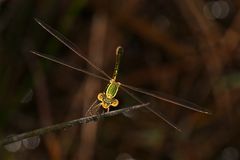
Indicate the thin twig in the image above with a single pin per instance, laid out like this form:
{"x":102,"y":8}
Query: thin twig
{"x":65,"y":125}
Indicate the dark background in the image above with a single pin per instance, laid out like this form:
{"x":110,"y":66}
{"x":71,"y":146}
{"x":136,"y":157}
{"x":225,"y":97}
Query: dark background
{"x":188,"y":48}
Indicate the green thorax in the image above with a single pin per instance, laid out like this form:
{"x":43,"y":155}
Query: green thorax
{"x":112,"y":89}
{"x":113,"y":86}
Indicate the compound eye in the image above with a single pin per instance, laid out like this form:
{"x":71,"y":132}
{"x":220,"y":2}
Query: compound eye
{"x":114,"y":103}
{"x":105,"y":105}
{"x":100,"y":96}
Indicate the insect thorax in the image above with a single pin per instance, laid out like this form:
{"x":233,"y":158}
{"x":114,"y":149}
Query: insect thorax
{"x":112,"y":89}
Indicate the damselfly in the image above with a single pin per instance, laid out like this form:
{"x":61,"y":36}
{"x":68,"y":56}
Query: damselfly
{"x":107,"y":98}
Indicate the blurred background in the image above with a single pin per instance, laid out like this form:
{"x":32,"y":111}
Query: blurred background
{"x":188,"y":49}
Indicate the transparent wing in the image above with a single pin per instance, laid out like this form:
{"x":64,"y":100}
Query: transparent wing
{"x":161,"y":116}
{"x":94,"y":109}
{"x":170,"y":99}
{"x":70,"y":45}
{"x":67,"y":65}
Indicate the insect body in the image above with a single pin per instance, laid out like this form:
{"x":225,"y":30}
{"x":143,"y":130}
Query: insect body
{"x":107,"y":98}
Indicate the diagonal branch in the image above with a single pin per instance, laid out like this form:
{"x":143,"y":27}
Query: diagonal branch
{"x":68,"y":124}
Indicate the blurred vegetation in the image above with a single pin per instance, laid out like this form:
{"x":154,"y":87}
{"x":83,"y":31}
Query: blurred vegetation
{"x":189,"y":49}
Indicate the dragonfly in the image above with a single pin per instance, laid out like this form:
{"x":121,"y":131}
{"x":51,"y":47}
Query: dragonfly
{"x":106,"y":99}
